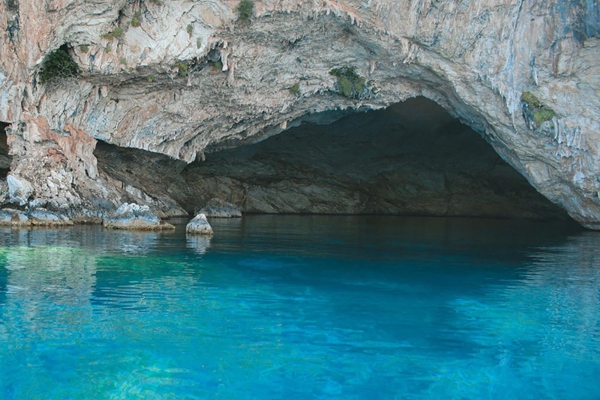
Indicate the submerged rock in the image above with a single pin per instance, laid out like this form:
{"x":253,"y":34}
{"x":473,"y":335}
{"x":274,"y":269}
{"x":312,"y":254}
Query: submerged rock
{"x":217,"y":208}
{"x":135,"y":217}
{"x":199,"y":226}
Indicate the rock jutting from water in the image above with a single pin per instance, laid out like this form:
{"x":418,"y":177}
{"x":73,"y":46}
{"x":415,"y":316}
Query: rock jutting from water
{"x":199,"y":226}
{"x":135,"y":217}
{"x":37,"y":217}
{"x":183,"y":80}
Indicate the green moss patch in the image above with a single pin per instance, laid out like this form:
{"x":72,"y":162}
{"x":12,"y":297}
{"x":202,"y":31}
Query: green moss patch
{"x":245,"y":9}
{"x":295,"y":89}
{"x":183,"y":68}
{"x":542,"y":115}
{"x":537,"y":110}
{"x":218,"y":65}
{"x":530,"y":99}
{"x":136,"y":20}
{"x":114,"y":34}
{"x":349,"y":83}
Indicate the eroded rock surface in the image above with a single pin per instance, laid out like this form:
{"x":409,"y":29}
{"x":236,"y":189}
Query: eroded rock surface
{"x":37,"y":217}
{"x":188,"y":79}
{"x":135,"y":217}
{"x":410,"y":159}
{"x":199,"y":226}
{"x":217,"y":208}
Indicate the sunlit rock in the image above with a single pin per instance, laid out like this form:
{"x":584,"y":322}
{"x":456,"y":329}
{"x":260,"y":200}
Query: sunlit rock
{"x":135,"y":217}
{"x":37,"y":217}
{"x":199,"y":226}
{"x":41,"y":217}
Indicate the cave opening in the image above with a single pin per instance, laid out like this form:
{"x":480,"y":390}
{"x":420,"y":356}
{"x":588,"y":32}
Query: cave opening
{"x":5,"y":158}
{"x":411,"y":158}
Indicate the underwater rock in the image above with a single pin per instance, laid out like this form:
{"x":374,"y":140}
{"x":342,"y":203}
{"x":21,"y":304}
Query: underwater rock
{"x":199,"y":226}
{"x":217,"y":208}
{"x":135,"y":217}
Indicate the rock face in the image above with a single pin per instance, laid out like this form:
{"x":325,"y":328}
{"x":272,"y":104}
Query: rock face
{"x":217,"y":208}
{"x":5,"y":158}
{"x":199,"y":226}
{"x":410,"y":159}
{"x":38,"y":217}
{"x":135,"y":217}
{"x":183,"y":79}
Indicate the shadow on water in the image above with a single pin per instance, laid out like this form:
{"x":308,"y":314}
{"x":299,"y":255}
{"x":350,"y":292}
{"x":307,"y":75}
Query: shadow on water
{"x":296,"y":247}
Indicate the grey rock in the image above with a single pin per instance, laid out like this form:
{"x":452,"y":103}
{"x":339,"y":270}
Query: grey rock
{"x":199,"y":226}
{"x":38,"y":217}
{"x":42,"y":217}
{"x":10,"y":217}
{"x":3,"y":191}
{"x":217,"y":208}
{"x":19,"y":190}
{"x":135,"y":217}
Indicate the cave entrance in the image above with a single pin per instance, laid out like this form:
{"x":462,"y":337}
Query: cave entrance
{"x":412,"y":158}
{"x":5,"y":158}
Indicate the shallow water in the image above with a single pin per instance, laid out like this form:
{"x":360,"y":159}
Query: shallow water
{"x":301,"y":307}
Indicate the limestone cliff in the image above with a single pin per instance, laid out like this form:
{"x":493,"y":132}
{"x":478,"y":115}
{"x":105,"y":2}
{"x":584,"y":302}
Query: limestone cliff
{"x":186,"y":78}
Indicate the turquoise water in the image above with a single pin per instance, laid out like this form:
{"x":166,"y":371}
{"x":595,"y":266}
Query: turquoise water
{"x":289,"y":307}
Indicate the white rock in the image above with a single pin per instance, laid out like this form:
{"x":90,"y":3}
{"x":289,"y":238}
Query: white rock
{"x":42,"y":217}
{"x":135,"y":217}
{"x":19,"y":190}
{"x":199,"y":226}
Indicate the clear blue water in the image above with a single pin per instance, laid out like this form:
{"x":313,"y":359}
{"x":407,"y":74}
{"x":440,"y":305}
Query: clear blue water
{"x":289,"y":307}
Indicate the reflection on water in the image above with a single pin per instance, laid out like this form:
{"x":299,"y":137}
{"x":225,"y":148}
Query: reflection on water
{"x":303,"y":307}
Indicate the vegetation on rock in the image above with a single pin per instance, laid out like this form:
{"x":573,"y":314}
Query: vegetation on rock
{"x":84,"y":48}
{"x":245,"y":9}
{"x":349,"y":83}
{"x":536,"y":110}
{"x":295,"y":90}
{"x":182,"y":68}
{"x":135,"y":21}
{"x":114,"y":34}
{"x":542,"y":115}
{"x":530,"y":99}
{"x":58,"y":64}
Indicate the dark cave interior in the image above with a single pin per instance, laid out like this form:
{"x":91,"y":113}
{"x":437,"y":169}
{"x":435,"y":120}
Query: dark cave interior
{"x":5,"y":159}
{"x":412,"y":158}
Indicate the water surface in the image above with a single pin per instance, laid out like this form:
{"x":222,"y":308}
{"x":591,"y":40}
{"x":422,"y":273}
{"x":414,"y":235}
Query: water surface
{"x":301,"y":307}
